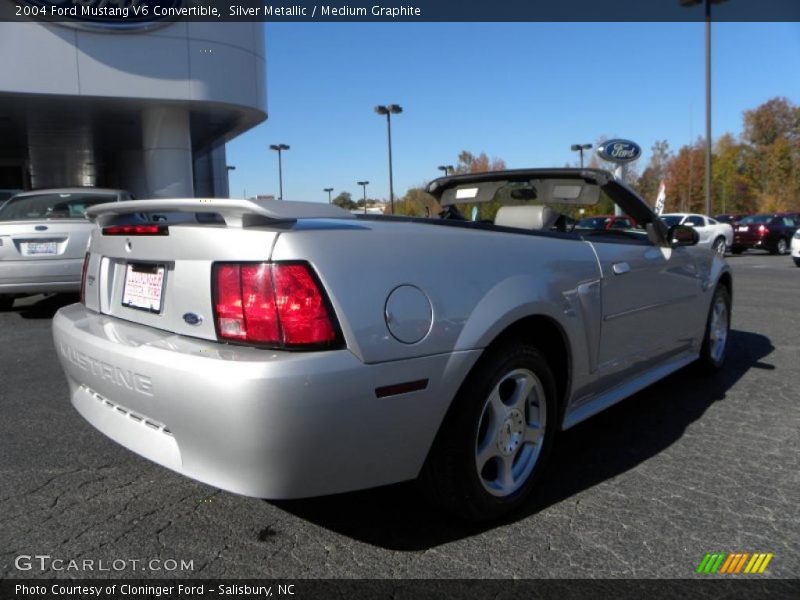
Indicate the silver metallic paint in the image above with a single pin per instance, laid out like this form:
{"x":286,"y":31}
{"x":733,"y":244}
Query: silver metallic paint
{"x":254,"y":421}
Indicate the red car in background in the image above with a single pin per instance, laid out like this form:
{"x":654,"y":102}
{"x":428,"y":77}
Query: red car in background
{"x":772,"y":232}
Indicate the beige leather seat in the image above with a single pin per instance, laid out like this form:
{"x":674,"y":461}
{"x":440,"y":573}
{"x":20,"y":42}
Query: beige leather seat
{"x":526,"y":217}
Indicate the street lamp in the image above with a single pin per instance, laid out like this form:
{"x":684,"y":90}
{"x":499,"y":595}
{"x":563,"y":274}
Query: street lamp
{"x":279,"y":148}
{"x":389,"y":110}
{"x":364,"y":185}
{"x":329,"y":190}
{"x":228,"y":169}
{"x":708,"y":3}
{"x":580,"y":148}
{"x":446,"y":168}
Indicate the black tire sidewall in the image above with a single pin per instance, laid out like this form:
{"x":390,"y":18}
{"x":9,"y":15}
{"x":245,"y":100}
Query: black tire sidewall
{"x":706,"y":360}
{"x":480,"y":504}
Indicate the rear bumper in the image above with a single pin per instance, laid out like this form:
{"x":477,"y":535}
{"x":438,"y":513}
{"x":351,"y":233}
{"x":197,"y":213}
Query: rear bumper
{"x":256,"y":422}
{"x":37,"y":276}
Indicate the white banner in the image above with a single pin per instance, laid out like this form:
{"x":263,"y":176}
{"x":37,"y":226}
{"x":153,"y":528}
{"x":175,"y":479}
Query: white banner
{"x":661,"y":198}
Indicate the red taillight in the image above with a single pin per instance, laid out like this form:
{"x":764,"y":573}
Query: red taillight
{"x":763,"y":229}
{"x":136,"y":230}
{"x":83,"y":277}
{"x":277,"y":304}
{"x":302,"y":311}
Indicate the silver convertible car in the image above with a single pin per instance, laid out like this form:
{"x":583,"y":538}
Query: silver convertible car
{"x":287,"y":349}
{"x":43,"y":236}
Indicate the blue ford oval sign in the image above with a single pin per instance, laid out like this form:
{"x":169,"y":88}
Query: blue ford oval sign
{"x":619,"y":151}
{"x":102,"y":14}
{"x":192,"y":318}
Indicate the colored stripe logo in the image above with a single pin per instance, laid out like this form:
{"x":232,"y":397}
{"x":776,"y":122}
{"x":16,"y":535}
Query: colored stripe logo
{"x":734,"y":563}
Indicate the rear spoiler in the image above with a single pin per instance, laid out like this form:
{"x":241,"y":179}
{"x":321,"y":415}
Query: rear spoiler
{"x":236,"y":213}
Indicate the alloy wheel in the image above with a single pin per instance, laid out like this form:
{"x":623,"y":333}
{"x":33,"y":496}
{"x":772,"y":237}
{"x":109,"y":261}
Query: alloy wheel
{"x":511,"y":432}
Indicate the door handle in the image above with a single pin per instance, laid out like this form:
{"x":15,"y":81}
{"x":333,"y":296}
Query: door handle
{"x":621,"y":268}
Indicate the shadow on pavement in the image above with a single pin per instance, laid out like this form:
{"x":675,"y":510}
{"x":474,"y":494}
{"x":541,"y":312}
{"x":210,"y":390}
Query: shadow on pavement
{"x":398,"y":518}
{"x":46,"y":307}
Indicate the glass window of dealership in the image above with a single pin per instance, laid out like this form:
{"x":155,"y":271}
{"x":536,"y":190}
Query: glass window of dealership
{"x":148,"y":109}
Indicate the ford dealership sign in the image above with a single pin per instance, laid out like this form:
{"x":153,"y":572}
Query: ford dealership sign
{"x":619,"y":151}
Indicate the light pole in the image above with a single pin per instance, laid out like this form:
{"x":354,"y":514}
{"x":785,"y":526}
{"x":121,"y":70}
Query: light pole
{"x":364,"y":185}
{"x":389,"y":110}
{"x":279,"y":148}
{"x":708,"y":3}
{"x":446,"y":168}
{"x":228,"y":169}
{"x":580,"y":148}
{"x":329,"y":190}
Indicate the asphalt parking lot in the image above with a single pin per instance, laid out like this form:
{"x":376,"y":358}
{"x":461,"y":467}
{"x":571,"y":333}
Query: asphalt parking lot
{"x":688,"y":466}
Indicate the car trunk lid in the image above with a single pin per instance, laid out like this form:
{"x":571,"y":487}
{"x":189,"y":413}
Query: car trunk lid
{"x":161,"y":274}
{"x":44,"y":240}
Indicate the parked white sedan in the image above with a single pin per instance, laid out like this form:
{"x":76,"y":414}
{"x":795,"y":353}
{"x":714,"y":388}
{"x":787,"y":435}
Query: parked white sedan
{"x":714,"y":234}
{"x":796,"y":247}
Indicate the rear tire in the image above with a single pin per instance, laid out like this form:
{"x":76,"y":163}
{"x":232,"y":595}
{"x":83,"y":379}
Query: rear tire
{"x":6,"y":302}
{"x":717,"y":333}
{"x":781,"y":247}
{"x":737,"y":249}
{"x":719,"y":246}
{"x":495,"y":440}
{"x":796,"y":261}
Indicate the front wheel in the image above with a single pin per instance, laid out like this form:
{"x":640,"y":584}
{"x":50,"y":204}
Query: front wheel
{"x":718,"y":326}
{"x":496,"y":438}
{"x":719,"y":246}
{"x":796,"y":261}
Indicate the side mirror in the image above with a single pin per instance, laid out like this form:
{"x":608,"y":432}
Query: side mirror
{"x":682,"y":235}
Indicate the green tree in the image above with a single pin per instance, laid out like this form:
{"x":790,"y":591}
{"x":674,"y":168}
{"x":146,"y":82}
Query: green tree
{"x":730,"y":182}
{"x":345,"y":201}
{"x":772,"y":135}
{"x":417,"y":203}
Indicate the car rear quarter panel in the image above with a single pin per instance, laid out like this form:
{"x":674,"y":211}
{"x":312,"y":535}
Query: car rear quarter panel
{"x":478,"y":283}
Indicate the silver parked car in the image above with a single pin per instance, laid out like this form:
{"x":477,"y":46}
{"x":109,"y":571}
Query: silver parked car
{"x":287,"y":349}
{"x":43,"y":237}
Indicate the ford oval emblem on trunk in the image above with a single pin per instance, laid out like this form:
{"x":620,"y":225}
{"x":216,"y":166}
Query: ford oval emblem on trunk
{"x":41,"y":228}
{"x":619,"y":151}
{"x":192,"y":318}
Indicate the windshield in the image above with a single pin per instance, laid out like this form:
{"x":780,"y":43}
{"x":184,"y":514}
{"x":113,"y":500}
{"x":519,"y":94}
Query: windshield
{"x":670,"y":220}
{"x":51,"y":206}
{"x":756,"y":219}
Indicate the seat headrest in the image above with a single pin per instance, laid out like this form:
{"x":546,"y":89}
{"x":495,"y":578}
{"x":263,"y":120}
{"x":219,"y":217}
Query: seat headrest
{"x":526,"y":217}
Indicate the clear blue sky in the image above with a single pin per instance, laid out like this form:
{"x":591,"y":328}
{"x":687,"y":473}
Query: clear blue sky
{"x":523,"y":92}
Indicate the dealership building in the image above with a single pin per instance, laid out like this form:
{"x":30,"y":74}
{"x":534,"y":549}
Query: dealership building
{"x":147,"y":108}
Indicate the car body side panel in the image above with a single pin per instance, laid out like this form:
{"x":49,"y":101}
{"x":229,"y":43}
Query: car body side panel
{"x":478,"y":283}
